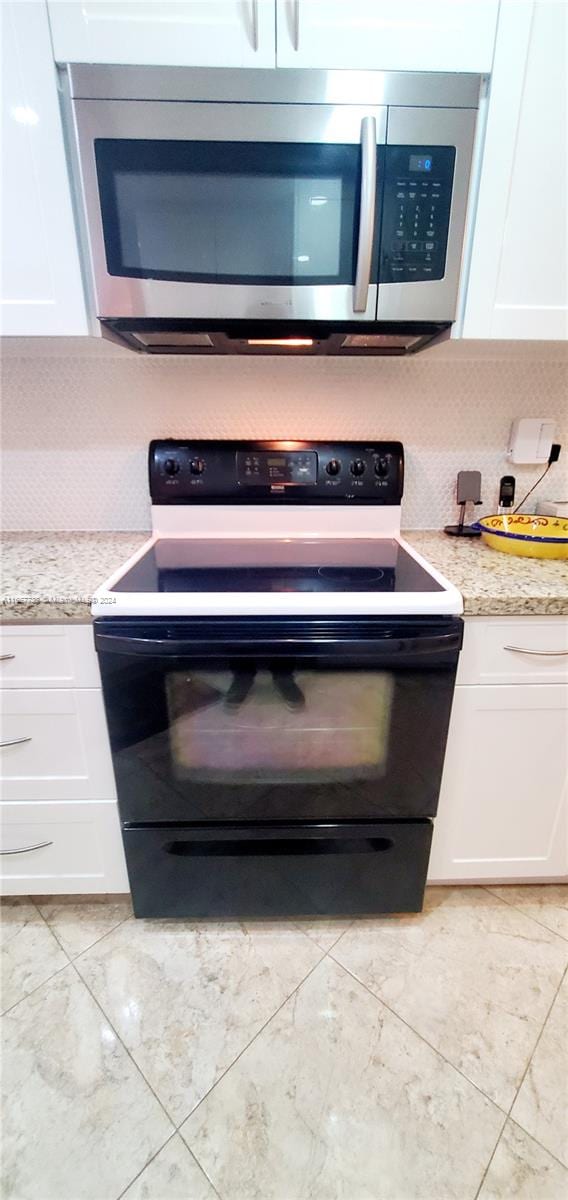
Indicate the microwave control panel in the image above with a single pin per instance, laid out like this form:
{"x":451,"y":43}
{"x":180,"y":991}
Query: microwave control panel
{"x":417,"y":199}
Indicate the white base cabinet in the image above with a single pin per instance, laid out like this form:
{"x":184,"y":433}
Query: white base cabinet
{"x":61,"y":849}
{"x":59,"y":824}
{"x":503,"y":803}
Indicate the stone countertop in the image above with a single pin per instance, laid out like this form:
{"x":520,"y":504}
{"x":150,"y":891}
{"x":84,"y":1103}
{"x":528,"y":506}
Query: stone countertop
{"x":51,"y":576}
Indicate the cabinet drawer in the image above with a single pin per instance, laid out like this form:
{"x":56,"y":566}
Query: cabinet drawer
{"x":61,"y":849}
{"x":48,"y":656}
{"x":177,"y":871}
{"x":54,"y":746}
{"x":514,"y":650}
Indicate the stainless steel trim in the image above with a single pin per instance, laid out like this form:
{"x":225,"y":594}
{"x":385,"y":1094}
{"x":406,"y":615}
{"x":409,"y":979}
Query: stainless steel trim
{"x":366,"y":213}
{"x":296,"y":42}
{"x":433,"y":300}
{"x":5,"y":657}
{"x":117,"y":296}
{"x":255,"y":25}
{"x":14,"y":742}
{"x":540,"y":653}
{"x":26,"y":849}
{"x":266,"y":86}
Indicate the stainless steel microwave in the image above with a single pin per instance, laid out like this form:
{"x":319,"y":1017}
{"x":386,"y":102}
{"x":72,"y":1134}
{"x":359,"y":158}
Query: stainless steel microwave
{"x":230,"y":209}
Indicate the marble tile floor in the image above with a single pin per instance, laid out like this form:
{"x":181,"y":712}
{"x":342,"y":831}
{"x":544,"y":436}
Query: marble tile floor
{"x":418,"y":1057}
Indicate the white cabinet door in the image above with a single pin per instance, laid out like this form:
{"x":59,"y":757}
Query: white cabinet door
{"x":48,"y":656}
{"x":518,"y":283}
{"x":54,"y":745}
{"x":188,"y":33}
{"x":41,"y":290}
{"x":386,"y":35}
{"x":59,"y":849}
{"x":502,"y":811}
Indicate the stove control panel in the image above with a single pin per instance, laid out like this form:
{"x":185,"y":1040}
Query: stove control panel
{"x":280,"y":472}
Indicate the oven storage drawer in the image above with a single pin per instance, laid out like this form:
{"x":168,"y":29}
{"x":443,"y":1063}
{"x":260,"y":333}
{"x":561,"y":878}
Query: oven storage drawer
{"x":185,"y":871}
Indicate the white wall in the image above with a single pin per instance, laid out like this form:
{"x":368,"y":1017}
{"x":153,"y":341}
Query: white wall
{"x":78,"y":417}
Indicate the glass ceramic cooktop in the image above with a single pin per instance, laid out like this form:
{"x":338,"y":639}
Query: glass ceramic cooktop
{"x":284,"y":565}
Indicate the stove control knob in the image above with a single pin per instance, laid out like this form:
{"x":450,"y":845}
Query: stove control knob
{"x":333,"y":466}
{"x":171,"y":466}
{"x":357,"y":467}
{"x":381,"y":467}
{"x":197,"y":466}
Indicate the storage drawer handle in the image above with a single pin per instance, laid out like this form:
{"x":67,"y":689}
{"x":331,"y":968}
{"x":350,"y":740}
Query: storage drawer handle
{"x":185,"y":849}
{"x":540,"y":653}
{"x":26,"y":849}
{"x":14,"y":742}
{"x":6,"y":657}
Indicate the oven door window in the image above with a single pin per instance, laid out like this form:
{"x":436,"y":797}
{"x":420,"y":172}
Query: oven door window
{"x":279,"y":725}
{"x":229,"y":212}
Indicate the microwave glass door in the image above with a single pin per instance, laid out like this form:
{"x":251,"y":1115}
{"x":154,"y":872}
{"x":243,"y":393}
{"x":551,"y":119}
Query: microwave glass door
{"x":233,"y":211}
{"x":230,"y":212}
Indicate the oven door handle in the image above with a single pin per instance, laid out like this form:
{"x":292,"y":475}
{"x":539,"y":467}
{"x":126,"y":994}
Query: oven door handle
{"x":270,"y":833}
{"x":385,"y":647}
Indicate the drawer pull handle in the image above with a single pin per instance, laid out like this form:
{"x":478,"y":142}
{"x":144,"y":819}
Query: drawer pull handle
{"x":6,"y":657}
{"x":26,"y":849}
{"x":541,"y":653}
{"x":14,"y":742}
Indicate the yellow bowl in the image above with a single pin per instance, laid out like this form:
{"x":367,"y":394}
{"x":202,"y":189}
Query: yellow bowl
{"x":531,"y":536}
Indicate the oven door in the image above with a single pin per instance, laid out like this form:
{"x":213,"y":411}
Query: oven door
{"x":232,"y":211}
{"x":263,"y":720}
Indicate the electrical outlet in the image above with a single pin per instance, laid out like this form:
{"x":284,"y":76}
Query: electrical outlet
{"x":531,"y":440}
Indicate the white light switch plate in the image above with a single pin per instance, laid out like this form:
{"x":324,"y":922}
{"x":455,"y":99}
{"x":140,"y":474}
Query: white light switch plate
{"x":531,"y":440}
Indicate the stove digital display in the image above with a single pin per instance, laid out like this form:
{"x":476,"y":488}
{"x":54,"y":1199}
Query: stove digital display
{"x":264,"y":468}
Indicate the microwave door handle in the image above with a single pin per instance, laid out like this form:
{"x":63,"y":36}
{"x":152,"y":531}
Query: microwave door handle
{"x":255,"y":25}
{"x":366,"y":213}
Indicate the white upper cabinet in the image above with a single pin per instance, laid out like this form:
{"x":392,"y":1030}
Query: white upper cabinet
{"x":387,"y":35}
{"x":186,"y":33}
{"x":41,"y":291}
{"x":518,"y":284}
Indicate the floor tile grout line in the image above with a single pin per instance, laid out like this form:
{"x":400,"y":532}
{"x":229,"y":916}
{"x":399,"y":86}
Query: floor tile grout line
{"x":550,"y":1153}
{"x":124,"y":1046}
{"x":73,"y":957}
{"x":527,"y":1069}
{"x":173,"y":1134}
{"x":43,"y":983}
{"x":517,"y":908}
{"x":494,"y":1151}
{"x":248,"y":1045}
{"x":419,"y":1035}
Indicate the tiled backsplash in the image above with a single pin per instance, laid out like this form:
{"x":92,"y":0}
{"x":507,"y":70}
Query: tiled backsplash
{"x":77,"y":421}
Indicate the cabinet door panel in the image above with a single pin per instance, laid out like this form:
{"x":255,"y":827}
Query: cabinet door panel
{"x":54,"y":745}
{"x":190,"y":33}
{"x":59,"y":849}
{"x":41,"y":289}
{"x":502,"y":810}
{"x":48,"y":656}
{"x":386,"y":35}
{"x":518,"y":283}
